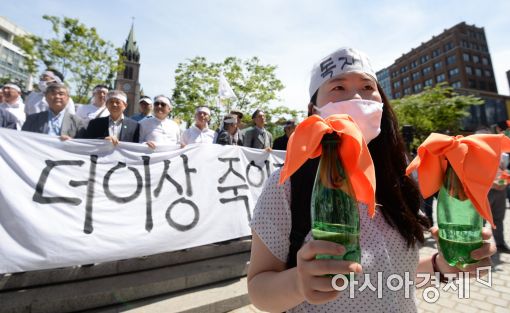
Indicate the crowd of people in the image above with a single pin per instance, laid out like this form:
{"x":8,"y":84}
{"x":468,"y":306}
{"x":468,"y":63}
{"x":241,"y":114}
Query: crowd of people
{"x":52,"y":111}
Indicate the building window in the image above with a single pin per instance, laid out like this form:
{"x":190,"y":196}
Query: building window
{"x":394,"y":74}
{"x":424,"y":58}
{"x":478,"y":72}
{"x":427,"y":70}
{"x":450,"y":60}
{"x":397,"y":95}
{"x":472,"y":83}
{"x":417,"y":87}
{"x":469,"y":70}
{"x":485,"y":61}
{"x":488,"y":73}
{"x":438,"y":65}
{"x":436,"y":52}
{"x":440,"y":78}
{"x":456,"y":84}
{"x":414,"y":64}
{"x":465,"y":57}
{"x":416,"y":75}
{"x":448,"y":46}
{"x":429,"y":82}
{"x":396,"y":85}
{"x":453,"y":72}
{"x":476,"y":59}
{"x":403,"y":69}
{"x":407,"y":91}
{"x":405,"y":80}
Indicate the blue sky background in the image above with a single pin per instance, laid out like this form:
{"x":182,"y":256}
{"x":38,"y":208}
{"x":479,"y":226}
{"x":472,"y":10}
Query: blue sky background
{"x":290,"y":34}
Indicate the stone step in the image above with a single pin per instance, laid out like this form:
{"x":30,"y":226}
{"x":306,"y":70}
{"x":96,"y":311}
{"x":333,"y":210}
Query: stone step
{"x":219,"y":297}
{"x":60,"y":275}
{"x":124,"y":288}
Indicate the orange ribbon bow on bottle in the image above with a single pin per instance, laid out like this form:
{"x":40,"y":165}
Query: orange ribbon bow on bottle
{"x":475,"y":160}
{"x":305,"y":143}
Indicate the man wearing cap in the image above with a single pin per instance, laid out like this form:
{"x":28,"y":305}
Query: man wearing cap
{"x":199,"y":132}
{"x":280,"y":143}
{"x":160,"y":129}
{"x":36,"y":101}
{"x":57,"y":120}
{"x":97,"y":107}
{"x":13,"y":103}
{"x":145,"y":106}
{"x":115,"y":127}
{"x":257,"y":136}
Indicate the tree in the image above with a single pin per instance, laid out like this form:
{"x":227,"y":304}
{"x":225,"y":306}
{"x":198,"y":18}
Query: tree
{"x":75,"y":50}
{"x":437,"y":109}
{"x":255,"y":84}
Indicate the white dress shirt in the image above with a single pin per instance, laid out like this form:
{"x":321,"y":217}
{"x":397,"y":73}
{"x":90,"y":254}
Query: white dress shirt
{"x":89,"y":112}
{"x":163,"y":131}
{"x":195,"y":135}
{"x":114,"y":127}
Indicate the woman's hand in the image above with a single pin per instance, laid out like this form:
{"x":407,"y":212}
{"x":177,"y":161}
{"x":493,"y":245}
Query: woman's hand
{"x":311,"y":283}
{"x":481,"y":254}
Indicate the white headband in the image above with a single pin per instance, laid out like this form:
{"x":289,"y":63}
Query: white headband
{"x":116,"y":96}
{"x":13,"y":86}
{"x":343,"y":60}
{"x":52,"y":75}
{"x":204,"y":109}
{"x":100,"y":88}
{"x":163,"y":99}
{"x":230,"y":120}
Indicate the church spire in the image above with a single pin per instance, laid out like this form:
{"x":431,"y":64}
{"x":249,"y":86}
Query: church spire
{"x":130,"y":50}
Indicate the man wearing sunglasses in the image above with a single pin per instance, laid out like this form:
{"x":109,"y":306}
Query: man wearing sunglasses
{"x":160,"y":129}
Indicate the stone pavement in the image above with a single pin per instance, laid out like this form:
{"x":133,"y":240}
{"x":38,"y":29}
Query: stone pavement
{"x":495,"y":299}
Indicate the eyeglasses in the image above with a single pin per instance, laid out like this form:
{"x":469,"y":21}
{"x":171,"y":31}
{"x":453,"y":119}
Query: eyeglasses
{"x":158,"y":103}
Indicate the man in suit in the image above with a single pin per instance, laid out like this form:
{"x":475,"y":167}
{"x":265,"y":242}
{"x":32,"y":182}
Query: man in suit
{"x":115,"y":127}
{"x":280,"y":143}
{"x":257,"y":136}
{"x":55,"y":121}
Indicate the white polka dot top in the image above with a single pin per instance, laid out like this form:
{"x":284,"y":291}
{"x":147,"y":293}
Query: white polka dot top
{"x":385,"y":257}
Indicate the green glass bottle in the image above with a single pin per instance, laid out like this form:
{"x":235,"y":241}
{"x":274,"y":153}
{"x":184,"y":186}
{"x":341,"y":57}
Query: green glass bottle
{"x":335,"y":215}
{"x":460,"y":225}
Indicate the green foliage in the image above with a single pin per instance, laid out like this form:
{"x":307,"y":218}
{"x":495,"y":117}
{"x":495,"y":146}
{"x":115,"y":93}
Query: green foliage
{"x":255,"y":84}
{"x":437,"y":109}
{"x":76,"y":50}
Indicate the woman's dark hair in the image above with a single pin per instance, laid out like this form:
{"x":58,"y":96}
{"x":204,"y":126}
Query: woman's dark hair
{"x":397,"y":193}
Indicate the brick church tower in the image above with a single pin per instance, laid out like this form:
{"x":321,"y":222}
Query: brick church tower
{"x":128,"y":79}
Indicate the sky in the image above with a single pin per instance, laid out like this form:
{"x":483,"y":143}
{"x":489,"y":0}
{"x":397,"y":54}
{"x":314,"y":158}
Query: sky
{"x":293,"y":35}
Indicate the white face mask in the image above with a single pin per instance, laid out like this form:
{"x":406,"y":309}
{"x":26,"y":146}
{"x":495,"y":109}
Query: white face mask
{"x":366,"y":113}
{"x":43,"y":85}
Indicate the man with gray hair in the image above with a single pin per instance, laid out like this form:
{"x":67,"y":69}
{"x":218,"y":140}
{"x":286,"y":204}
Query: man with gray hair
{"x":199,"y":132}
{"x":56,"y":121}
{"x":36,"y":101}
{"x":115,"y":127}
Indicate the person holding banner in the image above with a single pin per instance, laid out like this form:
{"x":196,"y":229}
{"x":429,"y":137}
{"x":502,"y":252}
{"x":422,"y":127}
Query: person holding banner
{"x":199,"y":132}
{"x":257,"y":136}
{"x":284,"y":274}
{"x":57,"y":120}
{"x":36,"y":101}
{"x":160,"y":129}
{"x":116,"y":127}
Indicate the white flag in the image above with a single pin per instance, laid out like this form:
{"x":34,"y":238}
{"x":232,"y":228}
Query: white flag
{"x":224,"y":89}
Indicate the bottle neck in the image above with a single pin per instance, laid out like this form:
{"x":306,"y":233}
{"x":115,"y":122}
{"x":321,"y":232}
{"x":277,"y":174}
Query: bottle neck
{"x":453,"y":184}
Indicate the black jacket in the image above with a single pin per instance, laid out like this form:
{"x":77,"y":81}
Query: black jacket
{"x":98,"y":129}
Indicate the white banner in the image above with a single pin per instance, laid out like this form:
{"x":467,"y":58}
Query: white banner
{"x":84,"y":201}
